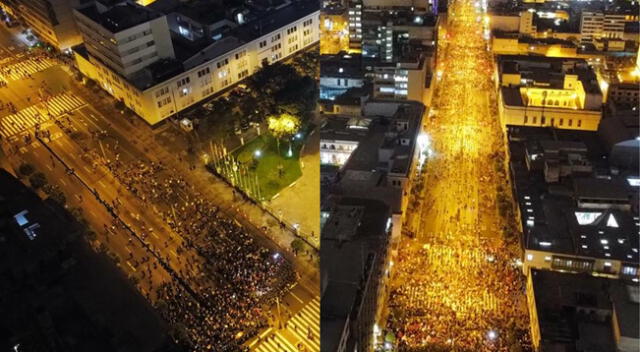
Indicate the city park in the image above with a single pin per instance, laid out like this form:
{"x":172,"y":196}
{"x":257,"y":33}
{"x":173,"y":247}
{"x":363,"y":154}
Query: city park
{"x":278,"y":102}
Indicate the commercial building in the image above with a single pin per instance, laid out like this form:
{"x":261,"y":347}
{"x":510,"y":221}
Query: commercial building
{"x":577,"y":201}
{"x":548,"y":92}
{"x":166,"y":58}
{"x":407,"y":78}
{"x":51,"y":20}
{"x":572,"y":312}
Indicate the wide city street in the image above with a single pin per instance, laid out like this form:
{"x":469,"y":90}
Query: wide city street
{"x":457,"y":284}
{"x":222,"y":279}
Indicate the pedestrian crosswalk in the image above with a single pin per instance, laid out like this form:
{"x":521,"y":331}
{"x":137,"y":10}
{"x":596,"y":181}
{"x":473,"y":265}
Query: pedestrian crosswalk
{"x":305,"y":326}
{"x":301,"y":333}
{"x":273,"y":341}
{"x":22,"y":120}
{"x":27,"y":118}
{"x":62,"y":103}
{"x":24,"y":68}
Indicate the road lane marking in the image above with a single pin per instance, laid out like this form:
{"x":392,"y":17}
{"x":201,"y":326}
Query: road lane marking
{"x":102,"y":184}
{"x":49,"y":167}
{"x":87,"y":168}
{"x":131,"y":266}
{"x":174,"y":253}
{"x":296,"y":297}
{"x":154,"y":235}
{"x":63,"y":183}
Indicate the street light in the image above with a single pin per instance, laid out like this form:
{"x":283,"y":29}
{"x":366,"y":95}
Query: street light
{"x":257,"y":153}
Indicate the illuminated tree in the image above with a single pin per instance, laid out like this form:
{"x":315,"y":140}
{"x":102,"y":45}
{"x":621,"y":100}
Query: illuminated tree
{"x":283,"y":126}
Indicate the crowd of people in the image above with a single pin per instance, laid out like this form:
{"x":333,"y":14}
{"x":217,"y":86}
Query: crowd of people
{"x":452,"y":296}
{"x":457,"y":285}
{"x":241,"y":277}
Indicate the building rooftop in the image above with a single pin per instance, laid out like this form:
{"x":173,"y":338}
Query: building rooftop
{"x":121,"y":16}
{"x":191,"y":55}
{"x":342,"y":66}
{"x":571,"y":200}
{"x":574,"y":312}
{"x":353,"y":236}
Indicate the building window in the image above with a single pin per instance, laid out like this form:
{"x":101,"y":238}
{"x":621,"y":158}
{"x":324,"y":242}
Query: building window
{"x":561,"y":122}
{"x":579,"y":123}
{"x":243,"y":74}
{"x":307,"y":22}
{"x":570,"y":122}
{"x":263,"y":44}
{"x":542,"y":120}
{"x":275,"y":37}
{"x":203,"y":72}
{"x":534,"y":120}
{"x":525,"y":119}
{"x":183,"y":82}
{"x":222,"y":63}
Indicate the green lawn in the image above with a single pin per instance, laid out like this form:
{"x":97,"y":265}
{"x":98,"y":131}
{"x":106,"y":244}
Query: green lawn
{"x":270,"y":179}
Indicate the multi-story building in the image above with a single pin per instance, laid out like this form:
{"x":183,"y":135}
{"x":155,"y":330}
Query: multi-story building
{"x":126,"y":37}
{"x":339,"y":73}
{"x":577,"y":201}
{"x":157,"y":79}
{"x":548,"y":92}
{"x":51,"y":20}
{"x":355,"y":24}
{"x":407,"y":78}
{"x":355,"y":249}
{"x":570,"y":312}
{"x":598,"y":25}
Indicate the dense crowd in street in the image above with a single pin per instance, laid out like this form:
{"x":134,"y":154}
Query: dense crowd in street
{"x":241,"y":277}
{"x":463,"y":295}
{"x":457,"y":285}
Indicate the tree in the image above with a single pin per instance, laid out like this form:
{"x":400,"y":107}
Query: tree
{"x":37,"y":180}
{"x":26,"y":169}
{"x":283,"y":126}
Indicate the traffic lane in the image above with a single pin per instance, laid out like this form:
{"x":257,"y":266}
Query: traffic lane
{"x":77,"y":195}
{"x":130,"y":210}
{"x":131,"y":253}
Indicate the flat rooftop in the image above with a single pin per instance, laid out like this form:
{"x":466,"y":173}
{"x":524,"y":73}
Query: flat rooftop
{"x":121,"y":16}
{"x":563,"y":302}
{"x":559,"y":176}
{"x":351,"y":239}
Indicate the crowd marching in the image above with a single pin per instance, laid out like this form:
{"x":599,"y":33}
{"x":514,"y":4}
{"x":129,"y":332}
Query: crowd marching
{"x":457,"y":285}
{"x":238,"y":279}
